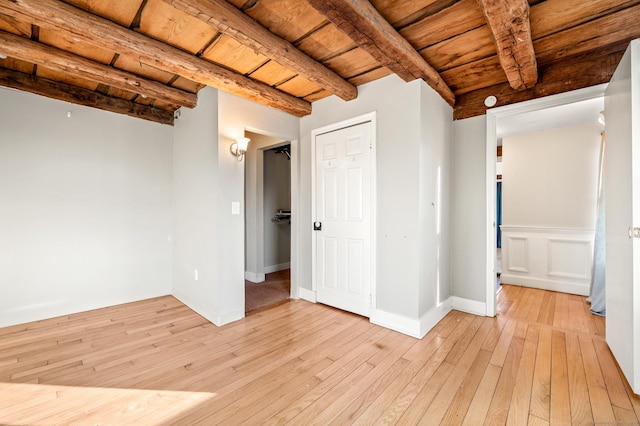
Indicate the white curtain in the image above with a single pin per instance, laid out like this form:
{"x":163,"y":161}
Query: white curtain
{"x":597,"y":287}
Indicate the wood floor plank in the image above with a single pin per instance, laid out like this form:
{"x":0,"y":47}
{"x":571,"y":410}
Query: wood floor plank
{"x":460,"y":405}
{"x":542,"y":360}
{"x":578,"y":391}
{"x":503,"y":344}
{"x":340,"y":402}
{"x":611,"y":377}
{"x":415,"y":387}
{"x":502,"y":398}
{"x":448,"y":391}
{"x":560,"y":411}
{"x":418,"y":356}
{"x":541,"y":385}
{"x":601,"y":406}
{"x":419,"y":404}
{"x":479,"y":407}
{"x":298,"y":398}
{"x":535,"y":305}
{"x":521,"y":400}
{"x":579,"y":321}
{"x":546,"y":309}
{"x":561,"y":316}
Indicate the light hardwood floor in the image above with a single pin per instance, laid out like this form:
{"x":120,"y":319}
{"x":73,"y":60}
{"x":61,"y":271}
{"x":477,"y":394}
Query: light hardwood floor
{"x":542,"y":360}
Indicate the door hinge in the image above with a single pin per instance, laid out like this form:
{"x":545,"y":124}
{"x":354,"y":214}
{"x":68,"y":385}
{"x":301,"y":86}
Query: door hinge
{"x":634,"y":232}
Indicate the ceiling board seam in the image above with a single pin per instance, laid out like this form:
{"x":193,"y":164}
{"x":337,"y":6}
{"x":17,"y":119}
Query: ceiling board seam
{"x":256,"y":68}
{"x":299,"y":40}
{"x":365,"y":72}
{"x":214,"y":40}
{"x":423,"y":13}
{"x":340,"y":53}
{"x":35,"y":33}
{"x":135,"y":22}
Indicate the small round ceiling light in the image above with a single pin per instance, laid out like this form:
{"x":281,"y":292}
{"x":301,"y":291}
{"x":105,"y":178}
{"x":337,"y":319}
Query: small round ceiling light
{"x":490,"y":101}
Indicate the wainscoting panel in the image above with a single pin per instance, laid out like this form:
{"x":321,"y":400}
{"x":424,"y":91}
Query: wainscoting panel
{"x":518,"y":257}
{"x":557,"y":259}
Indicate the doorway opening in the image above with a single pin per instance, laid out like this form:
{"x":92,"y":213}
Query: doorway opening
{"x":533,"y":115}
{"x":268,"y":218}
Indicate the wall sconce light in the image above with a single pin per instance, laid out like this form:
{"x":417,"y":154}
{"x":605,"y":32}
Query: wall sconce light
{"x":239,"y":148}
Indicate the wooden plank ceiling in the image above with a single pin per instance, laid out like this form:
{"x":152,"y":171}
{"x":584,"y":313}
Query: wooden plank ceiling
{"x":147,"y":58}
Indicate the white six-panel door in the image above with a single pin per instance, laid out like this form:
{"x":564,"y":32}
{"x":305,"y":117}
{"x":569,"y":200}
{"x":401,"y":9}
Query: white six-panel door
{"x":343,"y":214}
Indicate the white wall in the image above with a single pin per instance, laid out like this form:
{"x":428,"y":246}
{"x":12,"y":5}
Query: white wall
{"x":434,"y":200}
{"x":85,"y":208}
{"x":550,"y":177}
{"x":277,"y":187}
{"x":413,"y":138}
{"x":196,"y":199}
{"x":208,"y":180}
{"x":549,"y":204}
{"x":468,"y":235}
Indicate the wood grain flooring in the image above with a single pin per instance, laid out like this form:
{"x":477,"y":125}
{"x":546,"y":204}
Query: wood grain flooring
{"x":542,"y":360}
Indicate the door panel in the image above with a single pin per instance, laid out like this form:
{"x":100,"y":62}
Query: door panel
{"x":622,"y":211}
{"x":343,"y":204}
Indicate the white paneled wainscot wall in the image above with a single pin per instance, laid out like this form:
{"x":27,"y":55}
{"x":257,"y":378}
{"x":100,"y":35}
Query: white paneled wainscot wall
{"x":557,"y":259}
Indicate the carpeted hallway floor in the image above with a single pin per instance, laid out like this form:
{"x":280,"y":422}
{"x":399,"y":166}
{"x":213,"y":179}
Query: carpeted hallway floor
{"x":275,"y":289}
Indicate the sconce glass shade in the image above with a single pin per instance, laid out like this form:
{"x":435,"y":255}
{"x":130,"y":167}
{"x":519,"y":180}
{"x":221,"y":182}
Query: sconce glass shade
{"x":239,"y":148}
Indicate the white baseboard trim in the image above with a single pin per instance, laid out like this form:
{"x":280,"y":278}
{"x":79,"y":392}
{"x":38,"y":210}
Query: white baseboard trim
{"x":562,"y":286}
{"x":276,"y":268}
{"x":254,"y":277}
{"x":417,"y":328}
{"x":433,"y":316}
{"x":469,"y":306}
{"x":306,"y":294}
{"x":24,"y":314}
{"x":216,"y":318}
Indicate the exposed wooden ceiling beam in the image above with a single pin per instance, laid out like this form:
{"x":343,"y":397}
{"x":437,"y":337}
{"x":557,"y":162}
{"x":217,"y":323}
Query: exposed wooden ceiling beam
{"x":367,"y":28}
{"x":511,"y":30}
{"x":572,"y":73}
{"x":38,"y":53}
{"x":109,"y":35}
{"x":228,"y":20}
{"x":77,"y":95}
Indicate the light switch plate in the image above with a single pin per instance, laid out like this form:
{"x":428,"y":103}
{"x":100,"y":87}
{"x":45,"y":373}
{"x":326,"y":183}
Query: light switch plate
{"x":235,"y":207}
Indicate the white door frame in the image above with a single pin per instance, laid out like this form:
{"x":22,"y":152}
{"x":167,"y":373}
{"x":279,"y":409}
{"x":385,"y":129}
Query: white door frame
{"x":494,"y":117}
{"x":369,"y":117}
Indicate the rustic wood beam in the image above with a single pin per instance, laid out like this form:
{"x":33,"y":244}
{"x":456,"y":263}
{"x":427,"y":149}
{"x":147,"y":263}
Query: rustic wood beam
{"x":573,"y":73}
{"x":38,"y":53}
{"x":77,"y":95}
{"x":369,"y":30}
{"x":511,"y":30}
{"x":227,"y":19}
{"x":101,"y":32}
